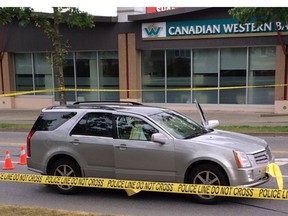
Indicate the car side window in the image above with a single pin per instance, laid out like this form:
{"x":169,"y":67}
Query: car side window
{"x":133,"y":128}
{"x":94,"y":124}
{"x":49,"y":121}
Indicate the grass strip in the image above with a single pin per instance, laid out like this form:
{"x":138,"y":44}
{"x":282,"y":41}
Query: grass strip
{"x":15,"y":126}
{"x":255,"y":129}
{"x":9,"y":210}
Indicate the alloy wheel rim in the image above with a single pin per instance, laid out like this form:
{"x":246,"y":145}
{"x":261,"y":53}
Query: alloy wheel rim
{"x":64,"y":170}
{"x":206,"y":178}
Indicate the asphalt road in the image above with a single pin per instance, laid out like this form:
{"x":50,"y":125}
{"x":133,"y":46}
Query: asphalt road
{"x":116,"y":202}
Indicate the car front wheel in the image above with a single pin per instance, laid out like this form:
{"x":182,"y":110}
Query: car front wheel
{"x":208,"y":174}
{"x":69,"y":168}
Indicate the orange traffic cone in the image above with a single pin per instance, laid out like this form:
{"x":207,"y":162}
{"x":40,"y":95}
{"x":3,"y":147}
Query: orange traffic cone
{"x":23,"y":157}
{"x":8,"y":162}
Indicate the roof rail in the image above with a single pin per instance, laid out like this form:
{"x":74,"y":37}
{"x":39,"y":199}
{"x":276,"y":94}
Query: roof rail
{"x":86,"y":106}
{"x":92,"y":106}
{"x":107,"y":102}
{"x":55,"y":107}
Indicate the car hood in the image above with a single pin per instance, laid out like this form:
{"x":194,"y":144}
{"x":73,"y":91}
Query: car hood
{"x":235,"y":141}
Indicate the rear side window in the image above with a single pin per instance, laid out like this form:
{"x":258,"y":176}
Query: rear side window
{"x":94,"y":124}
{"x":48,"y":121}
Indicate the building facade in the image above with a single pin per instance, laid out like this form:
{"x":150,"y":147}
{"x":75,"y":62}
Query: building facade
{"x":170,"y":57}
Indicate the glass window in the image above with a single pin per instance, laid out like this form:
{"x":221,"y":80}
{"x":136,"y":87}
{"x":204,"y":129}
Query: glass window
{"x":261,"y":72}
{"x":43,"y":72}
{"x":23,"y":71}
{"x":94,"y":70}
{"x":133,"y":128}
{"x":87,"y":76}
{"x":233,"y":66}
{"x":94,"y":124}
{"x":205,"y":75}
{"x":98,"y":71}
{"x":178,"y":125}
{"x":109,"y":75}
{"x":178,"y":76}
{"x":153,"y":76}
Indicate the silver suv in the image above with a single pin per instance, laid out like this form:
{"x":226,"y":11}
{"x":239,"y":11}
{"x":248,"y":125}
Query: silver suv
{"x":126,"y":140}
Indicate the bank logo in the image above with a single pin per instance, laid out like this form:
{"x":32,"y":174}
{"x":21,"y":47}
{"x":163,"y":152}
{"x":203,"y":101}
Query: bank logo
{"x":153,"y":30}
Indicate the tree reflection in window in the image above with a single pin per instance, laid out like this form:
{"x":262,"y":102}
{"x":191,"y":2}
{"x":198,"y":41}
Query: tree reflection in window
{"x":94,"y":124}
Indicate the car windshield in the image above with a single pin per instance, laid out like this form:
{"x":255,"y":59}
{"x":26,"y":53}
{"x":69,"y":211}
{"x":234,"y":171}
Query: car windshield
{"x":178,"y":125}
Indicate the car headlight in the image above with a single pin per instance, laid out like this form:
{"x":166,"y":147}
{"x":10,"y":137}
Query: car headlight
{"x":242,"y":159}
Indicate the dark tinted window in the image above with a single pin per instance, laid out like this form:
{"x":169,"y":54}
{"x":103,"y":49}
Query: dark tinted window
{"x":94,"y":124}
{"x":48,"y":121}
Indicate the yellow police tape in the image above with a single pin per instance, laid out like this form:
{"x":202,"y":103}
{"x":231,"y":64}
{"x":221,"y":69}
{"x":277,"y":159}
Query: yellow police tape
{"x":274,"y":170}
{"x":133,"y":187}
{"x":11,"y":94}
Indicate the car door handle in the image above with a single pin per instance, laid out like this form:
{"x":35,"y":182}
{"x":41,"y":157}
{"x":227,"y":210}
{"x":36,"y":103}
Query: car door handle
{"x":75,"y":142}
{"x":122,"y":147}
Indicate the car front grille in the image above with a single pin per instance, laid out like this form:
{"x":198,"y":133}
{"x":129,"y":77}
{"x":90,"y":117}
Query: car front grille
{"x":263,"y":156}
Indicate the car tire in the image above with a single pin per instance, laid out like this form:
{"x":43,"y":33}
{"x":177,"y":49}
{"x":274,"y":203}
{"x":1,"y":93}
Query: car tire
{"x":208,"y":174}
{"x":66,"y":167}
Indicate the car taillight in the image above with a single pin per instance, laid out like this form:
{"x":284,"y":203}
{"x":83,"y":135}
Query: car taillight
{"x":28,"y":142}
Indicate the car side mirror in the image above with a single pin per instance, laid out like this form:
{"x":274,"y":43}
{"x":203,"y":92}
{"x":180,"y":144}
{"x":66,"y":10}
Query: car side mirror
{"x":159,"y":138}
{"x":212,"y":124}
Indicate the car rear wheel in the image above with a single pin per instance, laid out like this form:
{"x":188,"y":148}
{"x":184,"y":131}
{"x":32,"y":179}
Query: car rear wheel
{"x":69,"y":168}
{"x":208,"y":174}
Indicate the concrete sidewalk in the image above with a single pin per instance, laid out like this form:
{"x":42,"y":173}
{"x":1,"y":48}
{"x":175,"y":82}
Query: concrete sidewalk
{"x":19,"y":116}
{"x":226,"y":117}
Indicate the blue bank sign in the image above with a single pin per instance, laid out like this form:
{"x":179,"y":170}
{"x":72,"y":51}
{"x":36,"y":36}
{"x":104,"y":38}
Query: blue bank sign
{"x":227,"y":27}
